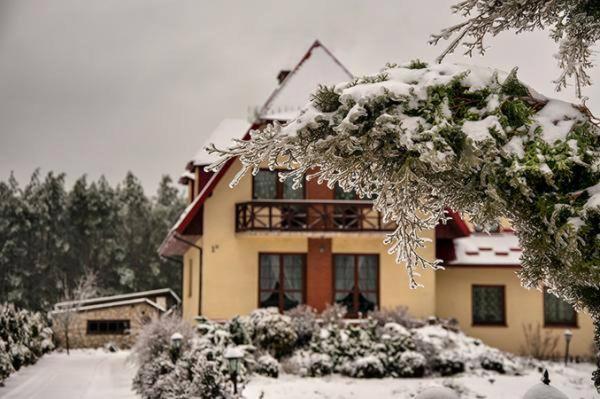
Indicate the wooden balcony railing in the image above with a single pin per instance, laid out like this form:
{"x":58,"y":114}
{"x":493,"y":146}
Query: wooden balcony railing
{"x":308,"y":215}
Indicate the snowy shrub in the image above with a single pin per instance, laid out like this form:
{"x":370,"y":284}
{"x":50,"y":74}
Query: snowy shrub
{"x":6,"y":367}
{"x":272,"y":332}
{"x":364,"y":367}
{"x":411,"y":364}
{"x":492,"y":363}
{"x":155,"y":338}
{"x":308,"y":364}
{"x":541,"y":345}
{"x":268,"y":366}
{"x":239,"y":331}
{"x":198,"y":369}
{"x":398,"y":315}
{"x":447,"y":364}
{"x":334,"y":314}
{"x":304,"y":322}
{"x":396,"y":338}
{"x":24,"y":337}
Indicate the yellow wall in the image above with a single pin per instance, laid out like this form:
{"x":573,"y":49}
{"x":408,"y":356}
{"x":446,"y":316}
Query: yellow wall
{"x":523,"y":306}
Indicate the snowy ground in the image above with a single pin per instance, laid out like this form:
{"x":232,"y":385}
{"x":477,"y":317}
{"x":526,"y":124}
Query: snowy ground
{"x":85,"y":374}
{"x":574,"y":381}
{"x":95,"y":374}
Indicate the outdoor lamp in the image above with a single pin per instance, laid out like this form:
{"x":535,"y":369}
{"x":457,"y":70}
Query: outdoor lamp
{"x":568,"y":336}
{"x":233,"y":357}
{"x":176,"y":340}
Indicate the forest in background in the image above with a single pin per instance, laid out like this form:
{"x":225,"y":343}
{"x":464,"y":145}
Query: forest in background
{"x":51,"y":236}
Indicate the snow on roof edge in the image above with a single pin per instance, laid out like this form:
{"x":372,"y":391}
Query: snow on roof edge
{"x":123,"y":296}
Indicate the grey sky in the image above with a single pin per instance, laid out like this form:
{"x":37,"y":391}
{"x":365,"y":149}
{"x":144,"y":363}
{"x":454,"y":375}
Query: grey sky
{"x":114,"y":85}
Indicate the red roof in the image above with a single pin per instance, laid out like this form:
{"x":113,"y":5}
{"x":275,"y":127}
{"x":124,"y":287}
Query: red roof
{"x":194,"y":208}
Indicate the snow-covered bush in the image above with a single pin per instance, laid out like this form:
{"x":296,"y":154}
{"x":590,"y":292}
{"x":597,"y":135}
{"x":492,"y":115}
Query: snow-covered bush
{"x":24,"y":337}
{"x":272,"y":331}
{"x":308,"y":364}
{"x":398,"y":315}
{"x":155,"y":338}
{"x":268,"y":366}
{"x":304,"y":321}
{"x":239,"y":331}
{"x":6,"y":367}
{"x":364,"y":367}
{"x":411,"y":364}
{"x":196,"y":369}
{"x":448,"y":363}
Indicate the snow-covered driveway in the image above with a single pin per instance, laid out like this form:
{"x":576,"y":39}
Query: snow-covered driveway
{"x":85,"y":374}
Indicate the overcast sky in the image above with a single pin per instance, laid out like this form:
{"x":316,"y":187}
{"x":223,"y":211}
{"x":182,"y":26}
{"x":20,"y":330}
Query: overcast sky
{"x":107,"y":86}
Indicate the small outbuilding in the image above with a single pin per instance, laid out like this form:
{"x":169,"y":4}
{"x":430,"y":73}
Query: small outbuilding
{"x":115,"y":319}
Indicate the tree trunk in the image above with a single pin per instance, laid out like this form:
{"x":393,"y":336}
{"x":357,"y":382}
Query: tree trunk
{"x":67,"y":339}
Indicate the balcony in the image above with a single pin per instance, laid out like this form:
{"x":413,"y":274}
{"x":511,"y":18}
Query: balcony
{"x":309,"y":215}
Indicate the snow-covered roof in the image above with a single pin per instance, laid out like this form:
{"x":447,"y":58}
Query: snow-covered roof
{"x":487,"y":249}
{"x":318,"y":66}
{"x":112,"y":299}
{"x":221,"y":137}
{"x":112,"y":305}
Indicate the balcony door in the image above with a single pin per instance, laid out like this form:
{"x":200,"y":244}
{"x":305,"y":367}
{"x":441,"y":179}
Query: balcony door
{"x":267,"y":186}
{"x":356,"y":283}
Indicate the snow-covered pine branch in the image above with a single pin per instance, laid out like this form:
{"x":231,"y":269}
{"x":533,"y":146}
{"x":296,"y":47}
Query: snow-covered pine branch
{"x":574,"y":24}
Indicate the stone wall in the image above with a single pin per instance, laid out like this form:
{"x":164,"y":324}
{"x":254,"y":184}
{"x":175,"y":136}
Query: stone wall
{"x":138,"y":314}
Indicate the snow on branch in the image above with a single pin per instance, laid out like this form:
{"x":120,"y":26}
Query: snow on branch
{"x":574,"y":24}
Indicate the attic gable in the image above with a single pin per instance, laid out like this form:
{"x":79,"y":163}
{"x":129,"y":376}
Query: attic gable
{"x":318,"y":66}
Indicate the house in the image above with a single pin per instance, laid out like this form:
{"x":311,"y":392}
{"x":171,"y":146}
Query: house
{"x":111,"y":319}
{"x":264,"y":243}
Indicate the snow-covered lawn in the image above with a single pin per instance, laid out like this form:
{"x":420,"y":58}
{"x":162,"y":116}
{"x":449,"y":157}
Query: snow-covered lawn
{"x":85,"y":374}
{"x":573,"y":381}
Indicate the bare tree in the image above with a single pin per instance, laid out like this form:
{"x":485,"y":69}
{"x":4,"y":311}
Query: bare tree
{"x":65,"y":312}
{"x":573,"y":24}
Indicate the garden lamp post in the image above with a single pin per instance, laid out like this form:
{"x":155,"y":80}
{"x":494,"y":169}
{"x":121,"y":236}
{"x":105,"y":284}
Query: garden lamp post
{"x":568,"y":336}
{"x":176,"y":341}
{"x":233,"y":357}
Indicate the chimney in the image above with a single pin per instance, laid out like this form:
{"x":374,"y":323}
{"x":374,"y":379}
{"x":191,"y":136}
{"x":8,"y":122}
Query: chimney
{"x":282,"y":75}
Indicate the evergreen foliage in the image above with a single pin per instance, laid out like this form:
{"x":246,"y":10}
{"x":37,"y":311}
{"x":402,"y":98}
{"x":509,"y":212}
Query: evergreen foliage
{"x":50,"y":236}
{"x":24,"y":337}
{"x":573,"y":24}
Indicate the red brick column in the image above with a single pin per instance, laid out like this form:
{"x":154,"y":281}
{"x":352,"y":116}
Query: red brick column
{"x":319,"y":273}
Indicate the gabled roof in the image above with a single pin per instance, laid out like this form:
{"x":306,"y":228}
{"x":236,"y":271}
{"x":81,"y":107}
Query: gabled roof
{"x":112,"y":305}
{"x":318,"y":66}
{"x":113,"y":299}
{"x":288,"y":91}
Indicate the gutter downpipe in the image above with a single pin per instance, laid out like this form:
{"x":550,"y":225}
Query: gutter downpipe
{"x":178,"y":238}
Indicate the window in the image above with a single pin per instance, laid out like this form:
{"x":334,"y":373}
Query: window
{"x":356,"y":280}
{"x":281,"y":280}
{"x":488,"y":305}
{"x":266,"y":185}
{"x":558,"y":312}
{"x":107,"y":327}
{"x":340,"y":194}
